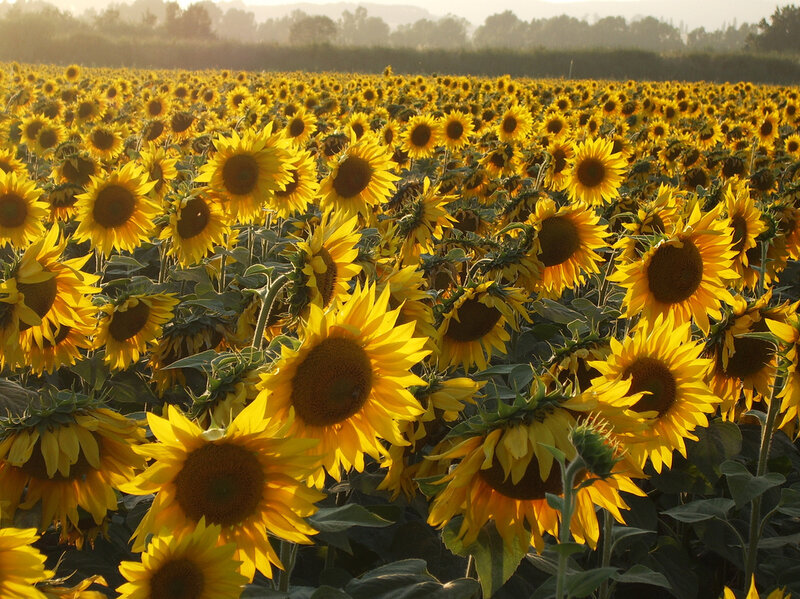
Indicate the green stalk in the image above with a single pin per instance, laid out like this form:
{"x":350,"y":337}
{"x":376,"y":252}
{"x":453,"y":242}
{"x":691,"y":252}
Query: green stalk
{"x":767,"y":432}
{"x":608,"y":524}
{"x":288,"y":554}
{"x":567,"y":507}
{"x":266,"y":307}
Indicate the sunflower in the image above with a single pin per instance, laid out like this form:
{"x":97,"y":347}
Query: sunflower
{"x":421,"y":136}
{"x":49,"y":136}
{"x":76,"y":169}
{"x":653,"y":218}
{"x":56,"y":290}
{"x":21,"y":565}
{"x":181,"y":125}
{"x":747,"y":225}
{"x":473,"y":324}
{"x":745,"y":366}
{"x":160,"y":168}
{"x":131,"y":325}
{"x":686,"y":274}
{"x":104,"y":142}
{"x":89,"y":108}
{"x":301,"y":189}
{"x":68,"y":453}
{"x":347,"y":383}
{"x":752,"y":593}
{"x":360,"y":178}
{"x":504,"y":473}
{"x":30,"y":127}
{"x":248,"y":479}
{"x":21,"y":212}
{"x":661,"y":362}
{"x":407,"y":292}
{"x":9,"y":163}
{"x":595,"y":172}
{"x":568,"y":239}
{"x":115,"y":212}
{"x":423,"y":220}
{"x":792,"y":146}
{"x":196,"y":224}
{"x":247,"y":170}
{"x":326,"y":262}
{"x":554,"y":125}
{"x":358,"y":124}
{"x":301,"y":127}
{"x":191,"y":566}
{"x":14,"y":314}
{"x":156,"y":106}
{"x":789,"y":332}
{"x":456,"y":128}
{"x":561,"y":153}
{"x":66,"y":345}
{"x":444,"y":402}
{"x":180,"y":339}
{"x":515,"y":124}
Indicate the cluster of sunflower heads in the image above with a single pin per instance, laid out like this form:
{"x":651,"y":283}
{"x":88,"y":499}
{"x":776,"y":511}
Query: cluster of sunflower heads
{"x":243,"y":316}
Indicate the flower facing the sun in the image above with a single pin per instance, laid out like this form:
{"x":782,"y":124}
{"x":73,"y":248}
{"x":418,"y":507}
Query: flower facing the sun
{"x":686,"y":275}
{"x":248,"y":479}
{"x":116,"y":213}
{"x":347,"y":384}
{"x":595,"y":172}
{"x":22,"y":215}
{"x":663,"y":364}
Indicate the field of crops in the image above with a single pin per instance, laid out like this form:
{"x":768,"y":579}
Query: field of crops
{"x":382,"y":337}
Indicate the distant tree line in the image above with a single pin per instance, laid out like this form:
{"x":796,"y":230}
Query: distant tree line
{"x":205,"y":20}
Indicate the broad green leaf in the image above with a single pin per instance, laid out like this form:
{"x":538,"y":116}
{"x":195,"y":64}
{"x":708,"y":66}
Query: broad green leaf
{"x":718,"y":442}
{"x":583,"y":584}
{"x":495,"y":561}
{"x":619,"y":533}
{"x":409,"y":579}
{"x":640,"y":574}
{"x":702,"y":509}
{"x":790,"y":503}
{"x":745,"y":487}
{"x":776,"y":542}
{"x":336,"y":519}
{"x":201,"y":361}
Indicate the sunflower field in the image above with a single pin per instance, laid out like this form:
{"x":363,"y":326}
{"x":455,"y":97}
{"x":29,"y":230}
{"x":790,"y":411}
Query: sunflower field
{"x":329,"y":336}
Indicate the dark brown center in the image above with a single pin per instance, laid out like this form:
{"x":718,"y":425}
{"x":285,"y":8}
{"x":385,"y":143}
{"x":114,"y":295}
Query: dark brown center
{"x":194,"y":218}
{"x":102,"y":139}
{"x":591,"y":172}
{"x":530,"y":486}
{"x":179,"y":578}
{"x":332,"y":382}
{"x":653,"y":378}
{"x":222,"y":481}
{"x":750,"y":355}
{"x":125,"y":325}
{"x":509,"y":124}
{"x":39,"y":297}
{"x":326,"y":281}
{"x":558,"y":240}
{"x":13,"y":210}
{"x":114,"y":206}
{"x":454,"y":130}
{"x":739,"y":225}
{"x":421,"y":135}
{"x":352,"y":177}
{"x":675,"y":273}
{"x":240,"y":174}
{"x":475,"y":320}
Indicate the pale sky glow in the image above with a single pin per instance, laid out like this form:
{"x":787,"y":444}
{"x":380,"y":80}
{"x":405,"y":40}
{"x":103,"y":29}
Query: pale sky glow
{"x":710,"y":14}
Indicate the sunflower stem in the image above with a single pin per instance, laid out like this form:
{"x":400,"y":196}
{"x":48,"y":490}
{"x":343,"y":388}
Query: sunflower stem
{"x":266,"y":308}
{"x":469,"y":573}
{"x":568,"y":474}
{"x":288,"y":554}
{"x":608,"y":526}
{"x":767,"y":433}
{"x":162,"y":269}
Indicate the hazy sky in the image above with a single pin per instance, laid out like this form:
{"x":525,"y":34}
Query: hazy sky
{"x":694,"y":13}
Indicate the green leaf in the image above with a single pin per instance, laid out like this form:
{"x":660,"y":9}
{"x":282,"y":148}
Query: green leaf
{"x":257,"y":269}
{"x":409,"y":579}
{"x":554,"y":501}
{"x":719,"y":442}
{"x":128,"y":261}
{"x":336,"y":519}
{"x":567,"y":549}
{"x":495,"y":561}
{"x":556,"y":312}
{"x":456,"y":255}
{"x":789,"y":503}
{"x":702,"y":509}
{"x":776,"y":542}
{"x":201,"y":361}
{"x":745,"y":487}
{"x":583,"y":584}
{"x":619,"y":533}
{"x":640,"y":574}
